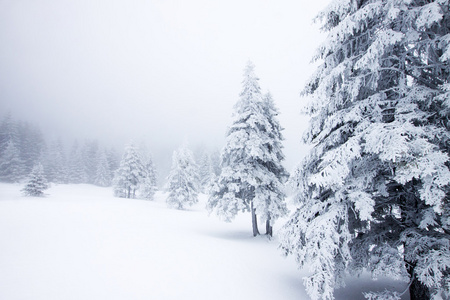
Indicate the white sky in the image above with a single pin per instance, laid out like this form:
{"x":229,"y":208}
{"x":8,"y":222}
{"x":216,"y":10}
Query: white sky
{"x":154,"y":70}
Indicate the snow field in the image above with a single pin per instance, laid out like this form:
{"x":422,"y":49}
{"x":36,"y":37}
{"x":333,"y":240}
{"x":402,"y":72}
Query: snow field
{"x":80,"y":242}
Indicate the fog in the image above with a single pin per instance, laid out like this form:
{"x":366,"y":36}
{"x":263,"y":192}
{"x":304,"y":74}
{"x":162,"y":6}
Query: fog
{"x":154,"y":71}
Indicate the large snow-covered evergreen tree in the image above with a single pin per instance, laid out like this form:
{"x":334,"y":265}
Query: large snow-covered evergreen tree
{"x":373,"y":191}
{"x":36,"y":183}
{"x":252,"y":175}
{"x":129,"y":174}
{"x":271,"y":203}
{"x":182,"y":182}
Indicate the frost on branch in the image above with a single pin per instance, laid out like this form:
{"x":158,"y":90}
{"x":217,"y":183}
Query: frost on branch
{"x":379,"y":128}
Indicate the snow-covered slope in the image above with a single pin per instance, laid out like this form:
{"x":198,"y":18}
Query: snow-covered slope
{"x":80,"y":242}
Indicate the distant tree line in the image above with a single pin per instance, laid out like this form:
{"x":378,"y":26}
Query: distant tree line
{"x":22,"y":146}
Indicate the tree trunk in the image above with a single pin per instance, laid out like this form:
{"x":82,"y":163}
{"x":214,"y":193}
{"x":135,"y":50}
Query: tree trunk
{"x":268,"y":227}
{"x":418,"y":291}
{"x":129,"y":191}
{"x":254,"y":221}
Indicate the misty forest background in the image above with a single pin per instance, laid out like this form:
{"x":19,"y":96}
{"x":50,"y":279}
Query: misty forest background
{"x":371,"y":195}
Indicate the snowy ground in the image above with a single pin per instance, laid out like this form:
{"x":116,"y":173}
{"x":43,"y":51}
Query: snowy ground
{"x":81,"y":243}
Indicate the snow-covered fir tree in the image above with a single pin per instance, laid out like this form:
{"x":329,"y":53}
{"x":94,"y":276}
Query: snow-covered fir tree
{"x":252,"y":176}
{"x":76,"y":169}
{"x":11,"y":166}
{"x":55,"y":164}
{"x":373,"y":191}
{"x":103,"y":176}
{"x":36,"y":183}
{"x":27,"y":142}
{"x":205,"y":172}
{"x":113,"y":159}
{"x":148,"y":186}
{"x":215,"y":162}
{"x":129,"y":174}
{"x":90,"y":155}
{"x":31,"y":145}
{"x":271,"y":204}
{"x":8,"y":132}
{"x":182,"y":182}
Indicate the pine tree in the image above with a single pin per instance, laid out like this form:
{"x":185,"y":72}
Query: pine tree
{"x":103,"y":174}
{"x":113,"y":160}
{"x":373,"y":191}
{"x":31,"y":145}
{"x":148,"y":186}
{"x":76,"y":171}
{"x":129,"y":174}
{"x":271,"y":201}
{"x":182,"y":182}
{"x":8,"y":132}
{"x":205,"y":172}
{"x":11,"y":166}
{"x":215,"y":162}
{"x":55,"y":164}
{"x":251,"y":175}
{"x":90,"y":151}
{"x":36,"y":183}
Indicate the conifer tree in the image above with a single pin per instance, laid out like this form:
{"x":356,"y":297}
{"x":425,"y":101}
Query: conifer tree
{"x":251,"y":174}
{"x":113,"y":159}
{"x":206,"y":172}
{"x":31,"y":145}
{"x":90,"y":155}
{"x":55,"y":164}
{"x":11,"y":166}
{"x":103,"y":174}
{"x":129,"y":174}
{"x":182,"y":182}
{"x":36,"y":183}
{"x":215,"y":162}
{"x":373,"y":191}
{"x":76,"y":172}
{"x":8,"y":132}
{"x":148,"y":185}
{"x":271,"y":203}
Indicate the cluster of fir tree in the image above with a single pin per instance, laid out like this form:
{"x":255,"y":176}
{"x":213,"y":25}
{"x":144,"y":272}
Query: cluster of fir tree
{"x":22,"y":146}
{"x":373,"y":193}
